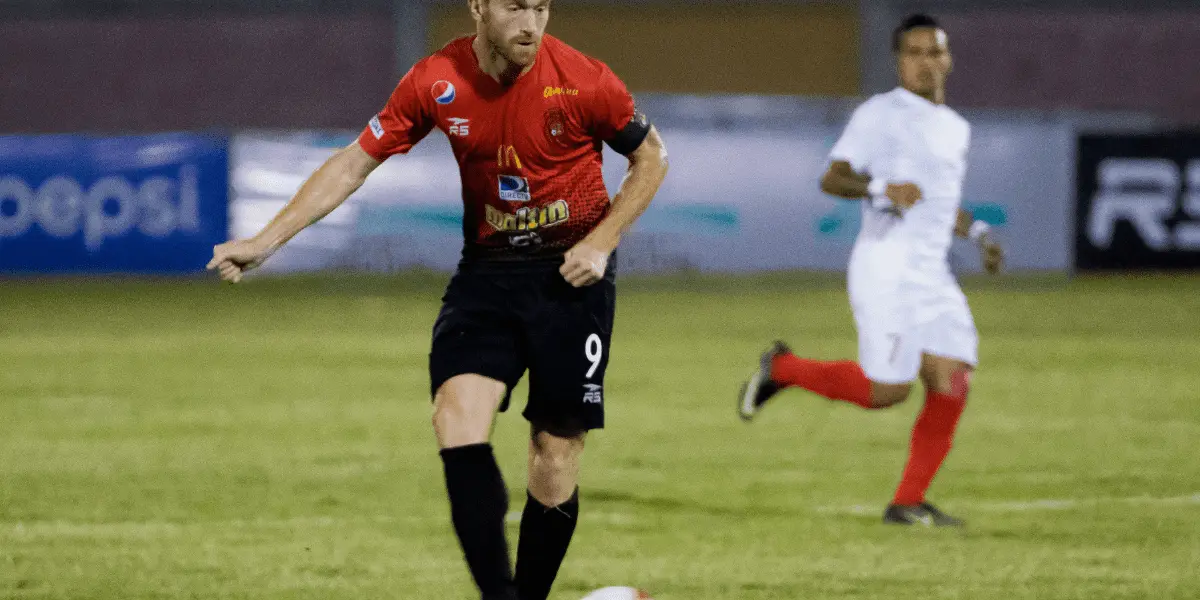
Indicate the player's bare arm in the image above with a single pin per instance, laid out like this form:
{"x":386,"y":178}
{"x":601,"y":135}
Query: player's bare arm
{"x":328,"y":187}
{"x":586,"y":263}
{"x":843,"y":181}
{"x":967,"y":227}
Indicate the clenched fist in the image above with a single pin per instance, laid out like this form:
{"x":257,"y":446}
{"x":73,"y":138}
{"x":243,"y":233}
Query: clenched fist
{"x":993,"y":254}
{"x":903,"y":195}
{"x":584,"y":264}
{"x":233,"y":259}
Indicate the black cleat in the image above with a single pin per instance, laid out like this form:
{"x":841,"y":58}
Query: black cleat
{"x":941,"y":519}
{"x":919,"y":514}
{"x":760,"y":387}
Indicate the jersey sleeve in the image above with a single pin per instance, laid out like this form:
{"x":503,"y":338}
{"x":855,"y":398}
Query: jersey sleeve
{"x":859,"y":138}
{"x":614,"y":119}
{"x":405,"y":120}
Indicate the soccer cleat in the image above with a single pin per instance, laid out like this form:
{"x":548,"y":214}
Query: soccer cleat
{"x":900,"y":514}
{"x":919,"y":514}
{"x":760,"y":387}
{"x":941,"y":519}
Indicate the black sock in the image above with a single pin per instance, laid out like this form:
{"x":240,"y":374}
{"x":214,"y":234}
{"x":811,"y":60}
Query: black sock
{"x":478,"y":504}
{"x":545,"y":535}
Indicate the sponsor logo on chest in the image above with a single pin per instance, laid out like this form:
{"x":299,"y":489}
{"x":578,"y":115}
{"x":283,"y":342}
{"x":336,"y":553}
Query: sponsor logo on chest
{"x":528,"y":218}
{"x":514,"y":189}
{"x":443,"y":92}
{"x":551,"y":91}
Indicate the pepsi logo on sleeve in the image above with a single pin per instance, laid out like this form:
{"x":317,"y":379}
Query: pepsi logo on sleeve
{"x":443,"y":92}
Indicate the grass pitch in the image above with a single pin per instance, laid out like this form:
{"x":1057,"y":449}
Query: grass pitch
{"x":184,"y":439}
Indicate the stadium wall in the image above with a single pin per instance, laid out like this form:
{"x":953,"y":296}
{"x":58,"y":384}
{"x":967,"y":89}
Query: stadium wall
{"x":131,"y":74}
{"x":255,"y":70}
{"x":81,"y":65}
{"x":742,"y":195}
{"x":1079,"y":59}
{"x":798,"y":48}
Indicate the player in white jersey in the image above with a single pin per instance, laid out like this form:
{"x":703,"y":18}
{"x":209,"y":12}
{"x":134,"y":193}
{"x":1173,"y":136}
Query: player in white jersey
{"x":904,"y":154}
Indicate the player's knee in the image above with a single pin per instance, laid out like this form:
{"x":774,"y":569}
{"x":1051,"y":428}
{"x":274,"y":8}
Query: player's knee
{"x":556,"y":462}
{"x":887,"y":395}
{"x":557,"y":453}
{"x":463,"y":412}
{"x":445,"y":415}
{"x":954,"y":380}
{"x":554,"y":466}
{"x":450,"y":416}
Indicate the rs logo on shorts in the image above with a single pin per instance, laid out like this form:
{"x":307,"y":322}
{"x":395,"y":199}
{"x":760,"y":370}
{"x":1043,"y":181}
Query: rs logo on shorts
{"x":593,"y":394}
{"x":514,"y":189}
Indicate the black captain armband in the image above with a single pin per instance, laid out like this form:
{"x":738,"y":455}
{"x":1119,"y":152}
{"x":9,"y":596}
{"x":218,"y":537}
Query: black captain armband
{"x":628,"y":139}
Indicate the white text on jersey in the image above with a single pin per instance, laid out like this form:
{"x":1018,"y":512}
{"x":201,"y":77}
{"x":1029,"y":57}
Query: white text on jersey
{"x":459,"y":127}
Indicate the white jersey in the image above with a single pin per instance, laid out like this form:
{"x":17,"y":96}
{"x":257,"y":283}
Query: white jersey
{"x":903,"y":138}
{"x":906,"y":303}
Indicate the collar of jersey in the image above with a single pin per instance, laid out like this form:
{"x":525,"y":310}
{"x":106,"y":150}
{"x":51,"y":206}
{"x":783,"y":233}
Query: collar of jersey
{"x":910,"y":98}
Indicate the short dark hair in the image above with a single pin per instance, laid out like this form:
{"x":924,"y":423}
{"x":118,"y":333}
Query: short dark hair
{"x":911,"y":22}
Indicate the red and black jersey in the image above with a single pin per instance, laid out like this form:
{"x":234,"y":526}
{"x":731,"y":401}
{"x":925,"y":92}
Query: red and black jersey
{"x":529,"y":153}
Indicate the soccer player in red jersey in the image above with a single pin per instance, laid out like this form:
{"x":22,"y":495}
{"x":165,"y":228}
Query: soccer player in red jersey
{"x":527,"y":117}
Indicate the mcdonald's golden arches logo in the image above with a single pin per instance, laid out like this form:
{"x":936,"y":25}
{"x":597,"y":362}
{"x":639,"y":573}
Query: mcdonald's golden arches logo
{"x":507,"y":157}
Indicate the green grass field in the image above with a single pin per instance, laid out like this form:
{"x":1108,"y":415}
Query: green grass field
{"x":184,"y":439}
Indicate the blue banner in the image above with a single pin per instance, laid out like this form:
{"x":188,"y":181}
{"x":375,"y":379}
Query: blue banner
{"x":136,"y":204}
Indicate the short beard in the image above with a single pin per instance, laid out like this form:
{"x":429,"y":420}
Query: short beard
{"x":512,"y":70}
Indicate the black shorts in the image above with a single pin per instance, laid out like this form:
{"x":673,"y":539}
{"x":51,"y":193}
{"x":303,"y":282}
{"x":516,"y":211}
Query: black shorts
{"x":501,"y":322}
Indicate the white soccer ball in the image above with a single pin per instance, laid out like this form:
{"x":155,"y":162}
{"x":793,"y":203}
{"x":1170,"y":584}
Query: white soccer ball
{"x":618,"y":593}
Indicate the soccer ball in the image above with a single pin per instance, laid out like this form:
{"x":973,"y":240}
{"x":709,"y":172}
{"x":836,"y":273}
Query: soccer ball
{"x":618,"y":593}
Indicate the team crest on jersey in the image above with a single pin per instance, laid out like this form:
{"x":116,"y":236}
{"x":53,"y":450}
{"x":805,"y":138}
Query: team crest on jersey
{"x":443,"y":92}
{"x":556,"y":124}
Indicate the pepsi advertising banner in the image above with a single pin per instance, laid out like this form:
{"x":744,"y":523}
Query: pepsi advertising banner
{"x":150,"y":204}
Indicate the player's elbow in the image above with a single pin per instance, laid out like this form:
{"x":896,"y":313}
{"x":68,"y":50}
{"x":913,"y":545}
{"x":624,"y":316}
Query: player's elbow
{"x":834,"y":184}
{"x":653,"y":152}
{"x":663,"y":164}
{"x":351,"y":166}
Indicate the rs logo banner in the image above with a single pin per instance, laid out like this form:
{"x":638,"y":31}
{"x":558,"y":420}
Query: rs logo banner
{"x":1138,"y":202}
